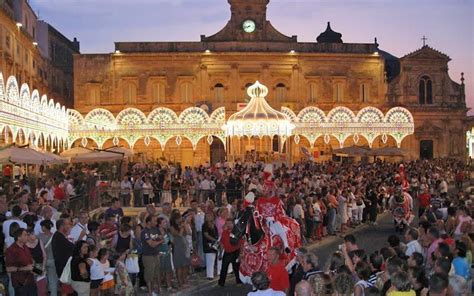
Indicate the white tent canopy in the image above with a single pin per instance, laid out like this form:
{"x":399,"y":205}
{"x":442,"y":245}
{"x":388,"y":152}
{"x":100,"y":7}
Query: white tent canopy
{"x":97,"y":156}
{"x":75,"y":152}
{"x":15,"y":154}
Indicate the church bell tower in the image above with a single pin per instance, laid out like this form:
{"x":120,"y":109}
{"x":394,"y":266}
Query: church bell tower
{"x":248,"y":22}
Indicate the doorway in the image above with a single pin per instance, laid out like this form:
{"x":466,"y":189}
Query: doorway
{"x":426,"y":149}
{"x":217,"y":151}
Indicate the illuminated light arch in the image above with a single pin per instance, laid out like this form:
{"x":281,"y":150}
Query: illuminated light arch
{"x":340,"y":115}
{"x":370,"y":115}
{"x":288,"y":112}
{"x":25,"y":96}
{"x":311,"y":114}
{"x":161,"y":116}
{"x":163,"y":140}
{"x":218,"y":116}
{"x":89,"y":140}
{"x":35,"y":101}
{"x":2,"y":88}
{"x":400,"y":123}
{"x":101,"y":119}
{"x":51,"y":105}
{"x":12,"y":90}
{"x":369,"y":120}
{"x":193,"y":115}
{"x":399,"y":115}
{"x":131,"y":116}
{"x":194,"y":139}
{"x":75,"y":118}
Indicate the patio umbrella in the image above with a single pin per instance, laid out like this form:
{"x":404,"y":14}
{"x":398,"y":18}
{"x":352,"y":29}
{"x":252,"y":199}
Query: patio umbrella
{"x":96,"y":156}
{"x":125,"y":151}
{"x":388,"y":151}
{"x":352,"y":150}
{"x":15,"y":154}
{"x":75,"y":152}
{"x":55,"y":159}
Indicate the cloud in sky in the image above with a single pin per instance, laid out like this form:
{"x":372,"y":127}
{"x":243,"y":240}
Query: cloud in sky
{"x":397,"y":24}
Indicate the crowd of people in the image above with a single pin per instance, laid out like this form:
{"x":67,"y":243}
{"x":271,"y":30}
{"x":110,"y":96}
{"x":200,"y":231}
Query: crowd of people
{"x":188,"y":218}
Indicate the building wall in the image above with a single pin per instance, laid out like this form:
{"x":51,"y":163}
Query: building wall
{"x":326,"y":74}
{"x":19,"y":56}
{"x":25,"y":52}
{"x":60,"y":64}
{"x":295,"y":74}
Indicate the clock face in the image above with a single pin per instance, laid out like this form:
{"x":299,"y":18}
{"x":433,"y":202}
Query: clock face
{"x":248,"y":26}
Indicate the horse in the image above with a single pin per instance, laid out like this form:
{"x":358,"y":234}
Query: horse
{"x":253,"y":255}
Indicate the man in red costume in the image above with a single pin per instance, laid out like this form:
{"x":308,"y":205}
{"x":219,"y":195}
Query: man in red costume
{"x":271,"y":208}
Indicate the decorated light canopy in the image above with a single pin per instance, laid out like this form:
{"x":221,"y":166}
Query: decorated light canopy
{"x":258,"y":118}
{"x":30,"y":118}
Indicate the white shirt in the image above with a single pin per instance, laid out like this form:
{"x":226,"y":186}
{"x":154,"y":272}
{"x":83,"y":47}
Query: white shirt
{"x":444,"y":186}
{"x":199,"y":221}
{"x":126,"y":186}
{"x":38,"y":226}
{"x":298,"y":211}
{"x":70,"y":190}
{"x":6,"y":227}
{"x":412,"y":247}
{"x":267,"y":292}
{"x":205,"y":185}
{"x":97,"y":271}
{"x":76,"y":232}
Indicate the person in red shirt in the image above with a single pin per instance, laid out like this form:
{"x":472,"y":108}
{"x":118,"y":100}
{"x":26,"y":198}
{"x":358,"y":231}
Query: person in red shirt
{"x":7,"y":171}
{"x":424,"y":201}
{"x":19,"y":264}
{"x":278,"y":275}
{"x":59,"y":193}
{"x":108,"y":230}
{"x":231,"y":254}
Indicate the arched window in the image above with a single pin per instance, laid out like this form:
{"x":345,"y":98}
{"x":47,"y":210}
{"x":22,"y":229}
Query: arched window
{"x":157,"y":92}
{"x":280,"y":92}
{"x":129,"y":92}
{"x":219,"y":92}
{"x":425,"y":90}
{"x":313,"y":92}
{"x":186,"y":92}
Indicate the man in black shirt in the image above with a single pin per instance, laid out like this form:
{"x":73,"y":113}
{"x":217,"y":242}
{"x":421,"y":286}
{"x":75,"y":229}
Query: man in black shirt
{"x":62,"y":249}
{"x":297,"y":271}
{"x":151,"y":240}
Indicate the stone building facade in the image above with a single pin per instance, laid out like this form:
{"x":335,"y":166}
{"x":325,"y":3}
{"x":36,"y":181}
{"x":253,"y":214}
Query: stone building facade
{"x":22,"y":38}
{"x":216,"y":71}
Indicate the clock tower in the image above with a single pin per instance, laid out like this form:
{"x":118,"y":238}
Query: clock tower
{"x":248,"y":22}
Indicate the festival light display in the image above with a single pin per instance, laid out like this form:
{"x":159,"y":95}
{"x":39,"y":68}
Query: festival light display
{"x":34,"y":119}
{"x":43,"y":120}
{"x":258,"y":118}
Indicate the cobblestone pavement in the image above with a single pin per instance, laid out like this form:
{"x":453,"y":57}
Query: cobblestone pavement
{"x":369,"y":237}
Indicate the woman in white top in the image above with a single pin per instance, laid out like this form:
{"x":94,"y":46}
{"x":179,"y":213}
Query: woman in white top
{"x":97,"y":272}
{"x":147,"y":191}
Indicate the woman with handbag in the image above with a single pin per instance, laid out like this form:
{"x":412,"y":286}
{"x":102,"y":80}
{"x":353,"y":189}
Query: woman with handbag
{"x":209,"y":240}
{"x":39,"y":257}
{"x":80,"y":269}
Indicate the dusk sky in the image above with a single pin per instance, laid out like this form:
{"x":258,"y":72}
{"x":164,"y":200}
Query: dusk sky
{"x":397,"y":24}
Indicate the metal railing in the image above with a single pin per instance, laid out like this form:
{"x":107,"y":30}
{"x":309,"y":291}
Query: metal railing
{"x":101,"y":196}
